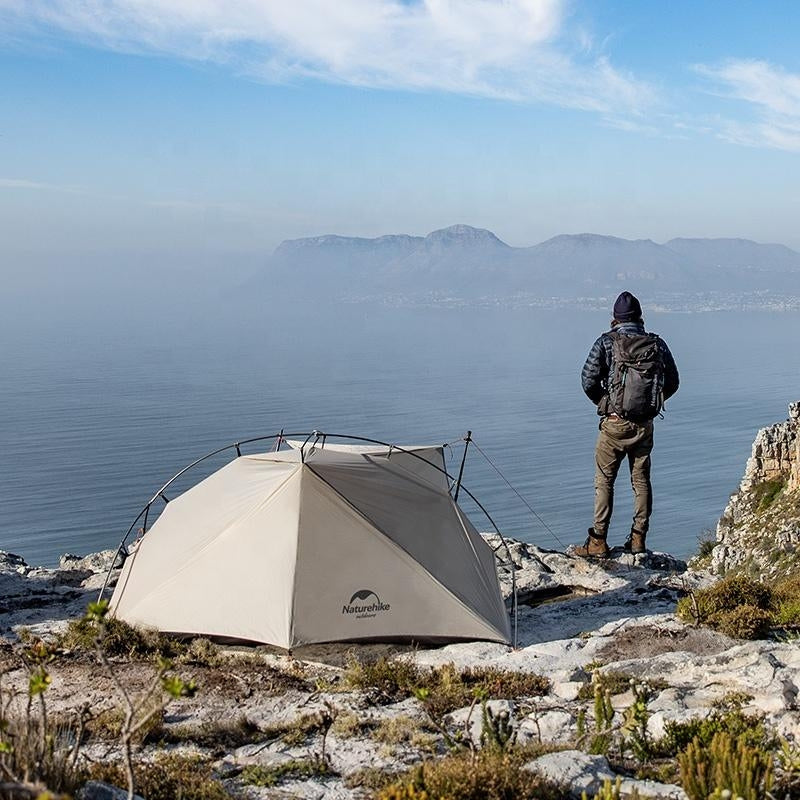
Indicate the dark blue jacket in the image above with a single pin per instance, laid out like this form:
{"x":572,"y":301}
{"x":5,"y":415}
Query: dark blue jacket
{"x":594,"y":376}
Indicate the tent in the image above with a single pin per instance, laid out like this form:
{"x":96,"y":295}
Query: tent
{"x":316,"y":544}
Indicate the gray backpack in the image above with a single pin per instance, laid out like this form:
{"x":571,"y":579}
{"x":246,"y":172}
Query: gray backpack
{"x":636,"y":379}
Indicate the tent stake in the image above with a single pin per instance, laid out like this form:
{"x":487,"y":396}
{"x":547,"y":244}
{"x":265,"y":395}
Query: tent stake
{"x":467,"y":440}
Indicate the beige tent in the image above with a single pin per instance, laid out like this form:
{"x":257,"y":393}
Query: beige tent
{"x":333,"y":543}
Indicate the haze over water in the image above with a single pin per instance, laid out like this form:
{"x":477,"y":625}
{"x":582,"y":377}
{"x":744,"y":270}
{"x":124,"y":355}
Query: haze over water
{"x":98,"y":414}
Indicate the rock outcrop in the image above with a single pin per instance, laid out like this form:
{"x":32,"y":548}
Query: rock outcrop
{"x":759,"y":531}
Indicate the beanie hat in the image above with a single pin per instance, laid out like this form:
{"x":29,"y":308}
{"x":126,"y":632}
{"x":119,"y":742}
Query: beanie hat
{"x":627,"y":308}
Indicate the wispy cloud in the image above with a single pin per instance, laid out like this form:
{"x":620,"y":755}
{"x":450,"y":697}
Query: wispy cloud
{"x":772,"y":96}
{"x":511,"y":49}
{"x":24,"y":183}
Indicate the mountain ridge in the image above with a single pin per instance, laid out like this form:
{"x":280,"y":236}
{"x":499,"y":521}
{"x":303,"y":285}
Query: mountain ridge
{"x":464,"y":261}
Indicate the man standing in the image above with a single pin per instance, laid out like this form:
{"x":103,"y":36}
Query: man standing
{"x":628,"y":375}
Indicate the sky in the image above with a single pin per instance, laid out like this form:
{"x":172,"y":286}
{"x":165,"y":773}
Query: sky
{"x":192,"y":136}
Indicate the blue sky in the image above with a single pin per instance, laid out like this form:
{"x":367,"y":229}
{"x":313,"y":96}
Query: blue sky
{"x":191,"y":131}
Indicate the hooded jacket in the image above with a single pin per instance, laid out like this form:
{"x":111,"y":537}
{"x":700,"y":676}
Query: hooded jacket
{"x":594,"y":376}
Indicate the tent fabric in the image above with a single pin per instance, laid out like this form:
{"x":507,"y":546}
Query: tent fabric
{"x":424,"y":461}
{"x":340,"y":545}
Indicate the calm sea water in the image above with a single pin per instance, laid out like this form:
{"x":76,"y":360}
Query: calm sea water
{"x":97,"y":413}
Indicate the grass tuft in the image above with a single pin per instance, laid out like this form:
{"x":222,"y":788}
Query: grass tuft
{"x":296,"y":769}
{"x":168,"y":777}
{"x":485,"y":775}
{"x":120,"y":640}
{"x":447,"y":688}
{"x":765,"y":493}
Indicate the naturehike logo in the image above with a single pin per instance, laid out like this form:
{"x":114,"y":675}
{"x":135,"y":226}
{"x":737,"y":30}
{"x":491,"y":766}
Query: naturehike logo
{"x":365,"y":604}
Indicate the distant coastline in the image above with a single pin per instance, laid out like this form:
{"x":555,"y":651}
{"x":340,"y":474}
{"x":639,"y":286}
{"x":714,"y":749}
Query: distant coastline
{"x":707,"y":302}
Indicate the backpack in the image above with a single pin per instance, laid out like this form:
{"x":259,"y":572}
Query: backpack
{"x":636,"y":379}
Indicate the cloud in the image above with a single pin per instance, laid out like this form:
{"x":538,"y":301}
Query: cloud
{"x":772,"y":96}
{"x":23,"y":183}
{"x":509,"y":49}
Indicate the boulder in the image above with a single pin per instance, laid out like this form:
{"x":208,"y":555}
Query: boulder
{"x":98,"y":790}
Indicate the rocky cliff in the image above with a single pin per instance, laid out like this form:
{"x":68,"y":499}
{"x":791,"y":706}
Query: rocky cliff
{"x":759,"y":531}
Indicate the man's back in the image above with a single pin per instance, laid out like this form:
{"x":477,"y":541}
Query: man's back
{"x":600,"y":363}
{"x":627,"y":375}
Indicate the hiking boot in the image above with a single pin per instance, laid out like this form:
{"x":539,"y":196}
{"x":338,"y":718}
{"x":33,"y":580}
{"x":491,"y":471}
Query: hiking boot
{"x":635,"y":543}
{"x":594,"y":547}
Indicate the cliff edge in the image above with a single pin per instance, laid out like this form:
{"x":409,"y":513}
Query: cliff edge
{"x":759,"y":531}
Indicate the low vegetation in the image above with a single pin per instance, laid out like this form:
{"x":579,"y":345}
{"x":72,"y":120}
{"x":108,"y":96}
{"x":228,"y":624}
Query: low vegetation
{"x":727,"y":763}
{"x":488,"y":774}
{"x":744,"y":608}
{"x":706,"y":542}
{"x":295,"y":769}
{"x":214,"y":735}
{"x":729,"y":750}
{"x":445,"y":689}
{"x":167,"y":777}
{"x":765,"y":493}
{"x":119,"y":640}
{"x":612,"y":681}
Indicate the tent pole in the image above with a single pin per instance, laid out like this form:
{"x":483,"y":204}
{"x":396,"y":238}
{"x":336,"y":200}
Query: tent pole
{"x":467,"y":440}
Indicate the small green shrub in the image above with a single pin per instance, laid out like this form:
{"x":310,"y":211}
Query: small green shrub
{"x":727,"y":717}
{"x":706,"y":542}
{"x":727,"y":763}
{"x":612,"y":682}
{"x":257,"y":775}
{"x":119,"y":639}
{"x":392,"y":678}
{"x":744,"y":608}
{"x":738,"y":606}
{"x":786,"y":601}
{"x":765,"y":493}
{"x":485,"y":775}
{"x":616,"y":682}
{"x":744,"y":622}
{"x":168,"y":777}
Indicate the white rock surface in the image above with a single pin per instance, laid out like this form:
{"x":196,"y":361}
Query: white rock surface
{"x":618,"y":612}
{"x":469,"y":720}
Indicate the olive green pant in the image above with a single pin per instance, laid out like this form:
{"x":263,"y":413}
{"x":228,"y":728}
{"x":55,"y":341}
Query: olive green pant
{"x":619,"y":439}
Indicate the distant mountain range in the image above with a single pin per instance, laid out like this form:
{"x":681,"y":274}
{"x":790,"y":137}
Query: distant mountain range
{"x":470,"y":263}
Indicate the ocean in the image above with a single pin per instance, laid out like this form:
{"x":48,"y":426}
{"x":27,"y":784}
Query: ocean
{"x":102,"y":409}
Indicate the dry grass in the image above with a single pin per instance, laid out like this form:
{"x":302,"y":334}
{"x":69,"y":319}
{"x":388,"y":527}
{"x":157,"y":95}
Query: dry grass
{"x":485,"y":775}
{"x":447,"y":688}
{"x":296,"y":769}
{"x":168,"y":777}
{"x":219,"y":735}
{"x":348,"y":724}
{"x":119,"y":640}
